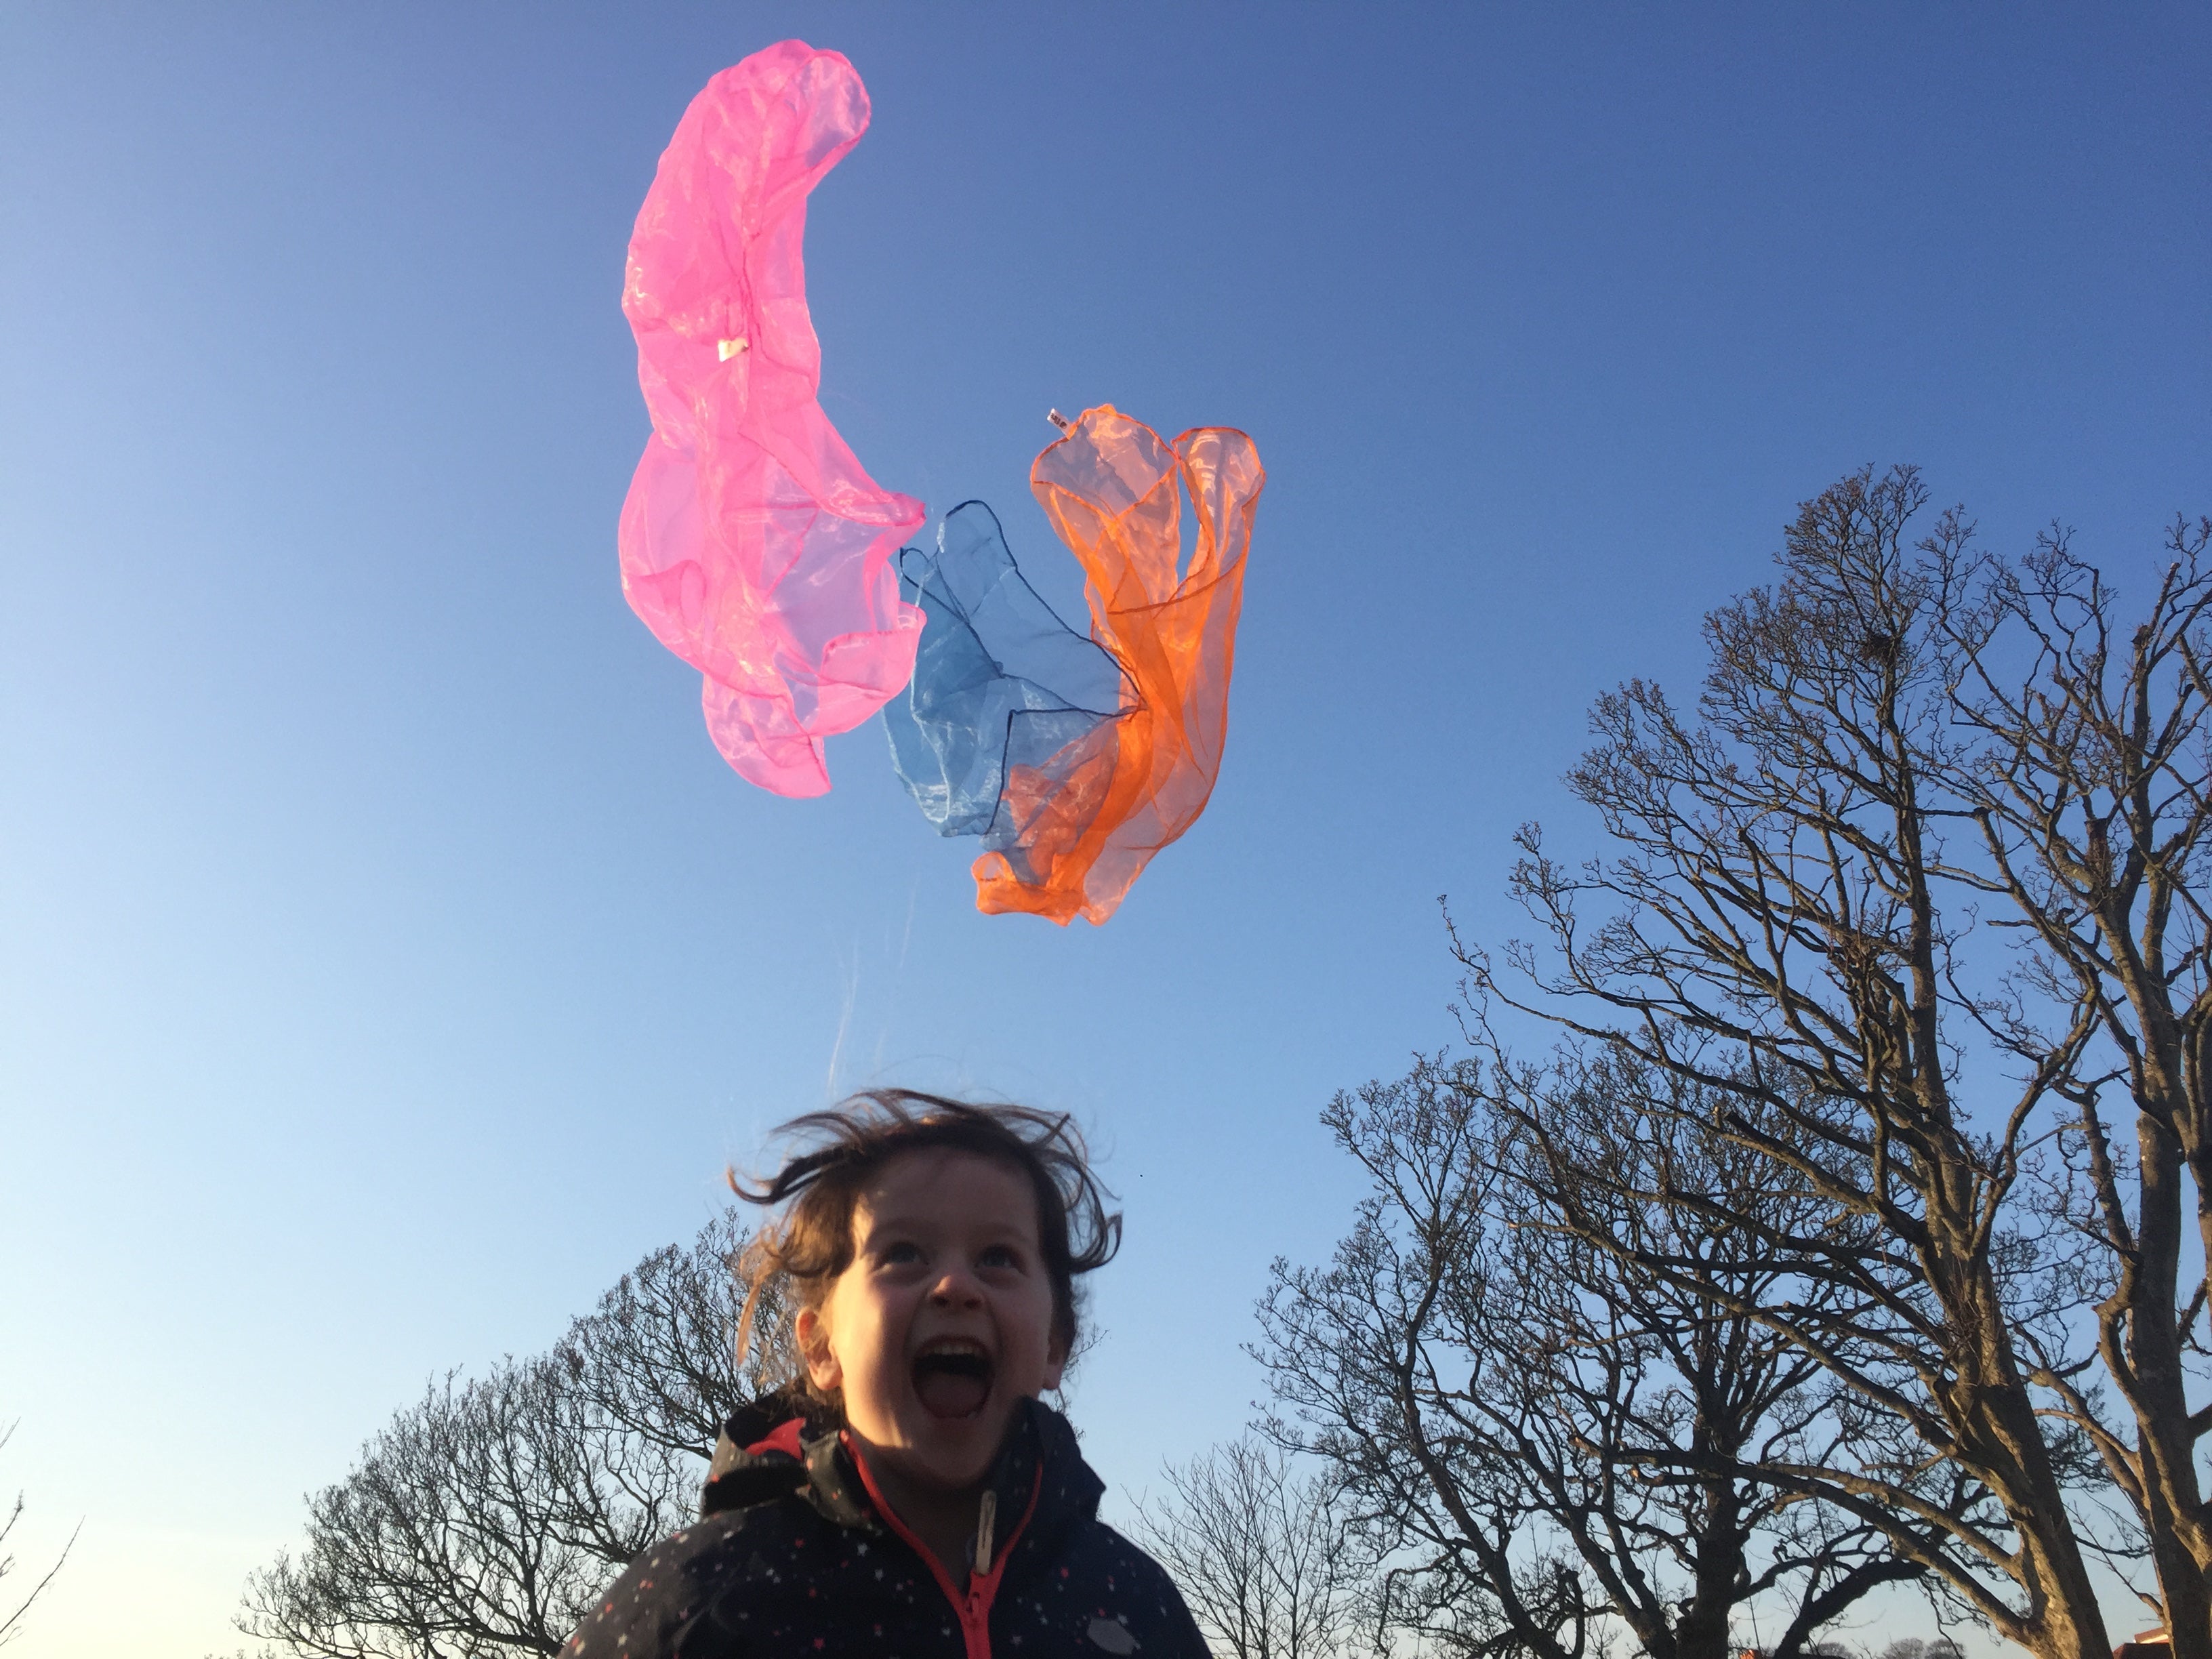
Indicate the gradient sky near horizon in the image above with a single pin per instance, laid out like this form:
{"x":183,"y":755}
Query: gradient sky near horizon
{"x":387,"y":958}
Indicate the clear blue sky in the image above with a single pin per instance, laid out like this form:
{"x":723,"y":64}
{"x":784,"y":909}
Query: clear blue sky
{"x":387,"y":960}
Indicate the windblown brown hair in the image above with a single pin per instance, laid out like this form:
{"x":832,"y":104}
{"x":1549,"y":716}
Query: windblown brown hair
{"x":810,"y":1243}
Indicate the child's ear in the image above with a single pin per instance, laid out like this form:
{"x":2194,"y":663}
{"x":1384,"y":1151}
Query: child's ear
{"x":821,"y":1367}
{"x":1055,"y":1362}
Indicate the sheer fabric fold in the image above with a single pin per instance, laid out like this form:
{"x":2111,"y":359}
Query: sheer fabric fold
{"x":753,"y":543}
{"x":1007,"y":731}
{"x":1000,"y":681}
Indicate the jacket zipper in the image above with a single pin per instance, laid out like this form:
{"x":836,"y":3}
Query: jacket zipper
{"x":973,"y":1609}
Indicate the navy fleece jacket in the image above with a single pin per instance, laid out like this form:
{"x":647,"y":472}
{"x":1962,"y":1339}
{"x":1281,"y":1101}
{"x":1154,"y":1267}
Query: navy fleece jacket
{"x":793,"y":1555}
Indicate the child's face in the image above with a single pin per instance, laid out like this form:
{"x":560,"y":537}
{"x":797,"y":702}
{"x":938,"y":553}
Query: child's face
{"x":942,"y":1323}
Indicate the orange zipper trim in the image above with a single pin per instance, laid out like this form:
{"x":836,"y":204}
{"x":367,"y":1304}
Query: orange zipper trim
{"x":973,"y":1609}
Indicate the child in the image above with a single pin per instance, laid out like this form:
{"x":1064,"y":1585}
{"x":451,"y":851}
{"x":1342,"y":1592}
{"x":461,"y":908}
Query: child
{"x":907,"y":1494}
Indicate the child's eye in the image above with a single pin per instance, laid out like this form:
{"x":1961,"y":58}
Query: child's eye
{"x":900,"y":1255}
{"x":998,"y":1256}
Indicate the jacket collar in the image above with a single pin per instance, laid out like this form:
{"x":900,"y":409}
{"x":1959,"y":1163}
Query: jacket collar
{"x":778,"y":1446}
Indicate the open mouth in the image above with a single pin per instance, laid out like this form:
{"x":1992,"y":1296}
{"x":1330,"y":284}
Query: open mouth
{"x":952,"y":1377}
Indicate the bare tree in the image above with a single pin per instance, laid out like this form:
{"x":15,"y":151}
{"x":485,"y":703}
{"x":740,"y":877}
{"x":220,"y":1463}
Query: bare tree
{"x":1912,"y":1647}
{"x":1258,"y":1551}
{"x":1769,"y":947}
{"x":2092,"y":786}
{"x":448,"y":1540}
{"x":485,"y":1519}
{"x":11,"y":1620}
{"x":1537,"y":1437}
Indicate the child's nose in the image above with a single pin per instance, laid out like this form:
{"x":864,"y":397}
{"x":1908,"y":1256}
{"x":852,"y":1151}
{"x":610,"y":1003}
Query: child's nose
{"x":956,"y":1290}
